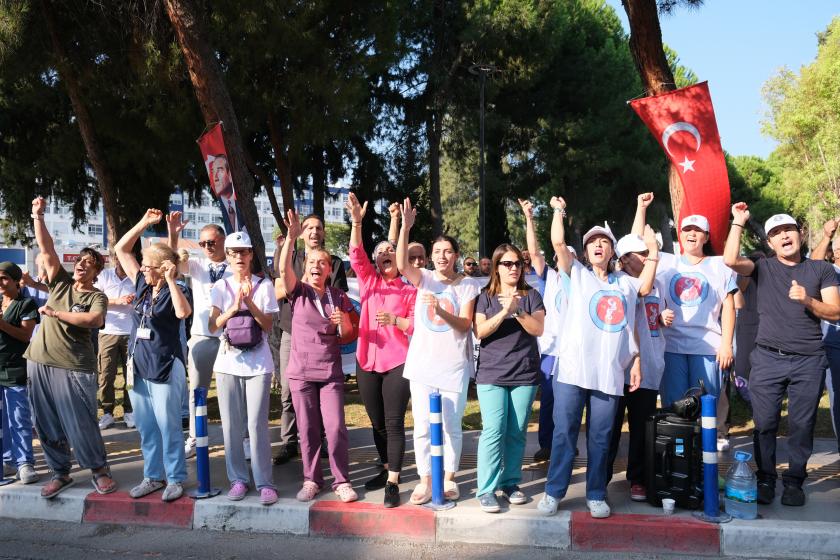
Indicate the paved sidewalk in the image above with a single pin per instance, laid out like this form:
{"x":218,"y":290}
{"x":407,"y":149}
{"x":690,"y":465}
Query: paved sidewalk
{"x":811,"y":531}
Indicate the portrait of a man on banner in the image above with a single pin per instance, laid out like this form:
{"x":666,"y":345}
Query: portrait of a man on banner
{"x":221,"y":181}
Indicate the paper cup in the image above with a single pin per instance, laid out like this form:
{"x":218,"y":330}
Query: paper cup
{"x":668,"y":506}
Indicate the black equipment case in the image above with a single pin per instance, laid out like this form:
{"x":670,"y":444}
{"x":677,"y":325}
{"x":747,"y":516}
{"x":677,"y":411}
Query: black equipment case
{"x":674,"y":460}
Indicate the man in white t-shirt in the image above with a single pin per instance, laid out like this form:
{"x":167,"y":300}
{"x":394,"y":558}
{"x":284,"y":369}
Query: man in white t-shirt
{"x":113,"y":340}
{"x":203,"y":344}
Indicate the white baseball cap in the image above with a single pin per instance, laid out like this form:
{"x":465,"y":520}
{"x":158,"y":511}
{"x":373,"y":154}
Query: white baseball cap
{"x":630,"y":243}
{"x":599,"y":230}
{"x":779,"y":220}
{"x":695,"y":220}
{"x":238,"y":240}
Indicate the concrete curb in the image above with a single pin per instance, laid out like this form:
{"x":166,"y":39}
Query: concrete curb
{"x":25,"y":502}
{"x":220,"y":514}
{"x":796,"y":539}
{"x":151,"y":511}
{"x":512,"y":528}
{"x":371,"y":521}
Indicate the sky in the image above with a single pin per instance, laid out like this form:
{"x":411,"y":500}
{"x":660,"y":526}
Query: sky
{"x":737,"y":45}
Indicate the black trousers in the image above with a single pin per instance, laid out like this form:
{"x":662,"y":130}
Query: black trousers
{"x":803,"y":378}
{"x":385,"y":396}
{"x":639,"y":404}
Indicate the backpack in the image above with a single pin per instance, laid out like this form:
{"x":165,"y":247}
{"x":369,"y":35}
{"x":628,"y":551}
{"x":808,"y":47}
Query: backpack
{"x":242,"y":331}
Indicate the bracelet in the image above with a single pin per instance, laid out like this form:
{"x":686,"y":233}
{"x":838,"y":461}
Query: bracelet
{"x":737,"y":225}
{"x":651,"y":260}
{"x":561,"y":211}
{"x":355,"y":223}
{"x":38,"y":216}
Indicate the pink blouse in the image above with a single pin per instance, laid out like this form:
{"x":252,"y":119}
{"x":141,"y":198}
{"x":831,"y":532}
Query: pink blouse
{"x":381,"y":348}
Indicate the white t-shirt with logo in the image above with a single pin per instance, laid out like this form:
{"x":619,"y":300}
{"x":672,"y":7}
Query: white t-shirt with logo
{"x":117,"y":317}
{"x":696,"y":294}
{"x":555,"y":299}
{"x":256,"y":360}
{"x":651,"y":336}
{"x":598,"y":344}
{"x":201,"y":286}
{"x":438,"y":355}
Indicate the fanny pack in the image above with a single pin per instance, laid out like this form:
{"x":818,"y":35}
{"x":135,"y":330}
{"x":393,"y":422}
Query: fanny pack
{"x":242,"y":331}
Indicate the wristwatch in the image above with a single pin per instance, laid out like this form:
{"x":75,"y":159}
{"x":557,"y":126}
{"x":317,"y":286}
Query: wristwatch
{"x":515,"y":314}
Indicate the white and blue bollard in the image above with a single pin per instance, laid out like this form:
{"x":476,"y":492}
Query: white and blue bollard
{"x":202,"y":452}
{"x":711,"y":498}
{"x":3,"y":480}
{"x":436,"y":429}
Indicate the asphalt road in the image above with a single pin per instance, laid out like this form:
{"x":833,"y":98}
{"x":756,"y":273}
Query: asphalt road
{"x":43,"y":540}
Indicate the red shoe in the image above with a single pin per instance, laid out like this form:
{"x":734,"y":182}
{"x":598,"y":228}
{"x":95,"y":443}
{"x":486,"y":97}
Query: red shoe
{"x":638,"y":493}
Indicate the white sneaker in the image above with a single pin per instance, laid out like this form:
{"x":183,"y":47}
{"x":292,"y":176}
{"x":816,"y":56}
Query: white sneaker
{"x":246,"y":447}
{"x":189,"y":448}
{"x":723,"y":444}
{"x":106,"y":421}
{"x":598,"y":509}
{"x":129,"y":420}
{"x":548,"y":505}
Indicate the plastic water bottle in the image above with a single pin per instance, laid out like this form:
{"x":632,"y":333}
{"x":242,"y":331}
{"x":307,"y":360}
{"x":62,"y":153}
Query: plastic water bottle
{"x":740,"y":498}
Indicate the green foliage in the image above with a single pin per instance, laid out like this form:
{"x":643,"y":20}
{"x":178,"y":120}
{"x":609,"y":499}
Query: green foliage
{"x":336,"y":238}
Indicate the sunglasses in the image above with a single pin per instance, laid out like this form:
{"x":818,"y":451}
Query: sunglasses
{"x":511,"y":264}
{"x":206,"y":244}
{"x":469,"y":264}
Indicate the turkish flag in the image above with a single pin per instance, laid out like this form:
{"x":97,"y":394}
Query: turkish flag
{"x":214,"y":154}
{"x":683,"y":121}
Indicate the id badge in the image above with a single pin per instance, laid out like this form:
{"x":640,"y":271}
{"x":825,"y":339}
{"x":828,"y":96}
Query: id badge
{"x":129,"y":373}
{"x":144,"y":333}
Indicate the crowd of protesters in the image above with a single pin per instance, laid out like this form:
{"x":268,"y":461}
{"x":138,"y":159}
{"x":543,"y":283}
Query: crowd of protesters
{"x":616,"y":330}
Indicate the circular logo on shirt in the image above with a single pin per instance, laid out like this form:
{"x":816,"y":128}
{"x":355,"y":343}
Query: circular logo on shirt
{"x":430,"y":318}
{"x":350,"y":348}
{"x":607,"y":308}
{"x":689,"y":289}
{"x":652,"y":314}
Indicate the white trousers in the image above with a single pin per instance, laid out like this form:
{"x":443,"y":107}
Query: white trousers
{"x":452,"y":409}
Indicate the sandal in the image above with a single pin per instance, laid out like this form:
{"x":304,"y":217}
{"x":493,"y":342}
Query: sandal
{"x":56,"y":486}
{"x":450,"y":490}
{"x":422,"y":494}
{"x":108,"y":488}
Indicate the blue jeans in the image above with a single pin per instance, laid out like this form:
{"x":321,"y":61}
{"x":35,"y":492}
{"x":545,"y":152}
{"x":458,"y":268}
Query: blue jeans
{"x":17,"y":427}
{"x":501,"y":446}
{"x":684,"y":371}
{"x":569,"y":401}
{"x":546,"y":426}
{"x":832,"y":383}
{"x":157,"y":413}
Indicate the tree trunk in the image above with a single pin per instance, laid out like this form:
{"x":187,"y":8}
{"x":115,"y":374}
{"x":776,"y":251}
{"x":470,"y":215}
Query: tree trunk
{"x":319,"y":183}
{"x":114,"y":220}
{"x":652,"y":64}
{"x":281,"y":162}
{"x":216,"y":105}
{"x":433,"y":137}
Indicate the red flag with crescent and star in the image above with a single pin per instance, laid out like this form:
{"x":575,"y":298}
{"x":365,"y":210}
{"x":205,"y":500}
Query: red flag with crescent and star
{"x":214,"y":154}
{"x":683,"y":121}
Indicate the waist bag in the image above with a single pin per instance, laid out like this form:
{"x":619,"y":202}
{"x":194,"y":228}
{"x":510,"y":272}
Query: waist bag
{"x":242,"y":330}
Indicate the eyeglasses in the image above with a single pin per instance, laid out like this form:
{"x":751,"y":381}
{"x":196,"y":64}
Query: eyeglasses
{"x":416,"y":258}
{"x":469,"y":264}
{"x":235,"y":252}
{"x":149,"y":267}
{"x":206,"y":244}
{"x":511,"y":264}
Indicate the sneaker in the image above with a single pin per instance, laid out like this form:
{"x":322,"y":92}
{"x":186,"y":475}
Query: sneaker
{"x":346,"y":493}
{"x":26,"y":474}
{"x":793,"y":496}
{"x":172,"y":492}
{"x":544,"y":454}
{"x":548,"y":505}
{"x":146,"y":487}
{"x":246,"y":447}
{"x":638,"y":493}
{"x":489,"y":503}
{"x":766,"y":493}
{"x":308,"y":491}
{"x":598,"y":509}
{"x":392,"y":495}
{"x":377,"y":481}
{"x":722,"y":444}
{"x":106,"y":421}
{"x":285,"y":454}
{"x":237,"y":491}
{"x":514,"y":495}
{"x":268,"y":496}
{"x":189,"y":447}
{"x":128,"y":417}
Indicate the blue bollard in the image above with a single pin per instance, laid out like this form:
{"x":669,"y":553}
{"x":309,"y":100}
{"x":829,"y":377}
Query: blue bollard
{"x":436,"y":431}
{"x":3,"y":480}
{"x":711,"y":499}
{"x":202,"y":453}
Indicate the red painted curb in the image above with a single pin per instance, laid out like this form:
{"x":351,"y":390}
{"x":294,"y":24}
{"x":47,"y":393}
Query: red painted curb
{"x":644,"y":533}
{"x":358,"y":519}
{"x":121,"y":508}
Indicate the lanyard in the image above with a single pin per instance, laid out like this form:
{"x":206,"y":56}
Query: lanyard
{"x":216,"y":273}
{"x":321,"y":307}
